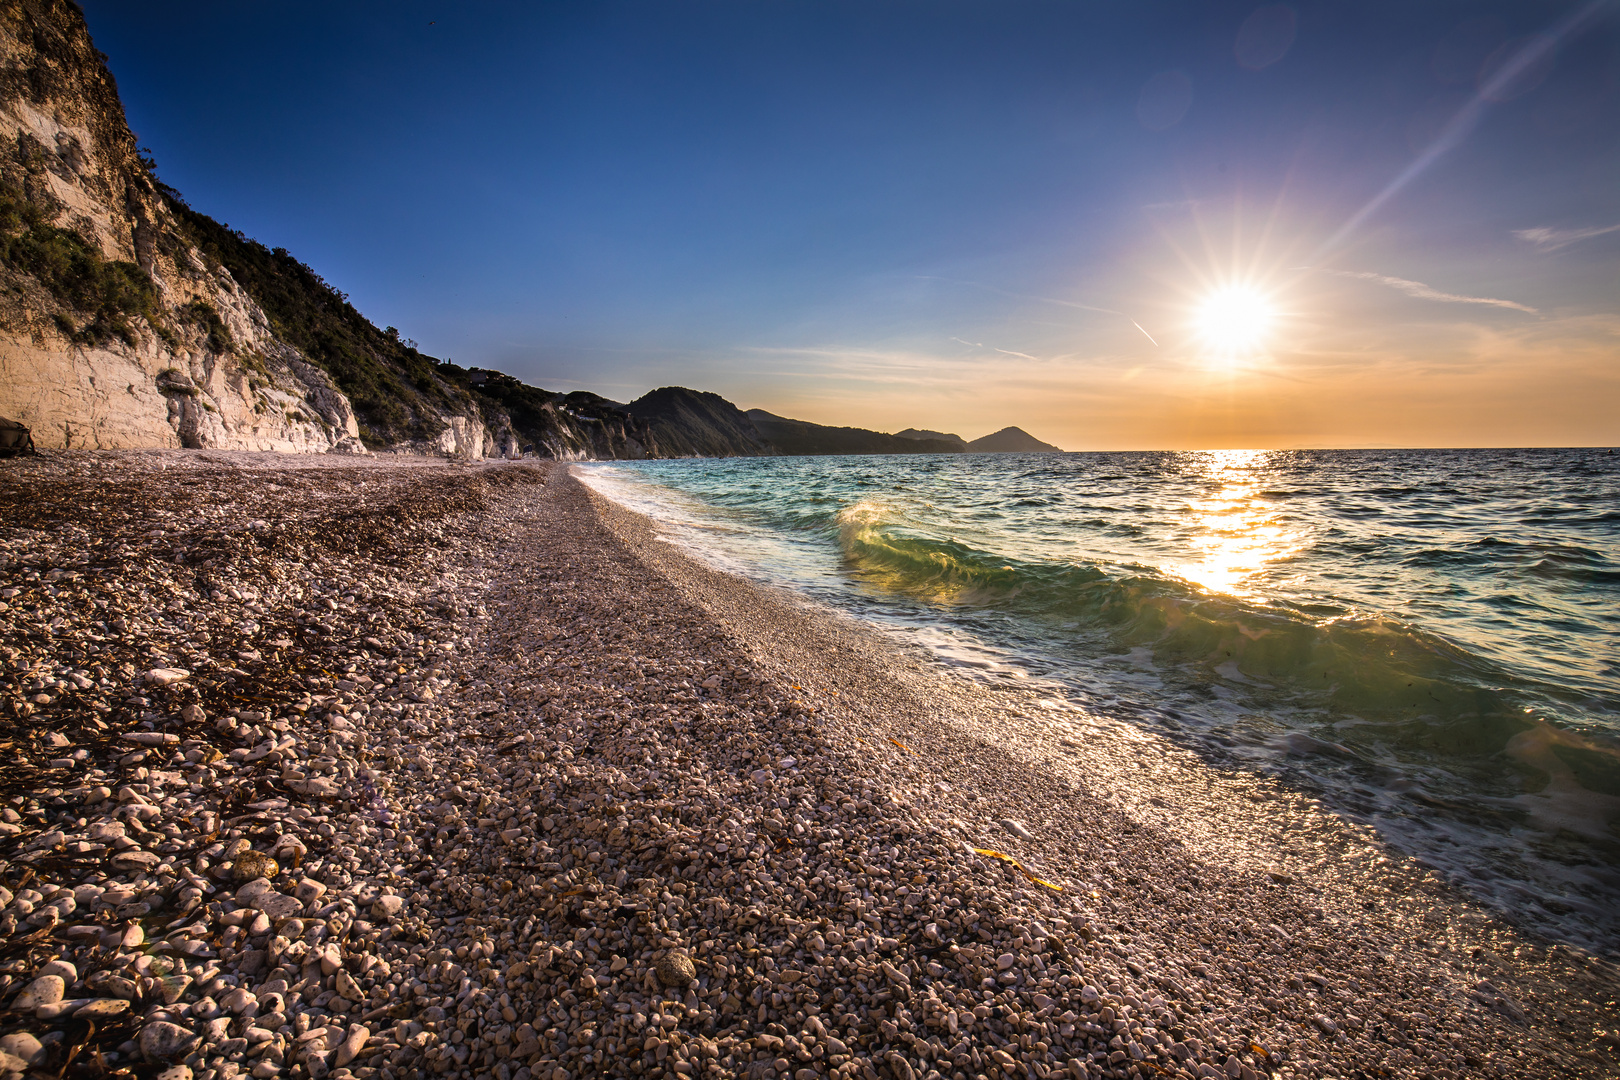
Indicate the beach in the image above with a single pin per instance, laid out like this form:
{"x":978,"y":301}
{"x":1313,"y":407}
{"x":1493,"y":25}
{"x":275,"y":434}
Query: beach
{"x":319,"y":766}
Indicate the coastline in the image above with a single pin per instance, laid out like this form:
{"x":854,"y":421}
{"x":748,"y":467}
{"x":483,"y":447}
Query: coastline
{"x":653,"y":819}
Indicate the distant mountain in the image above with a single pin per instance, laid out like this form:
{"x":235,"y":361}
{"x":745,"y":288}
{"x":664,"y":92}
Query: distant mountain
{"x":1011,"y":440}
{"x":803,"y":437}
{"x":694,"y":423}
{"x":934,"y":436}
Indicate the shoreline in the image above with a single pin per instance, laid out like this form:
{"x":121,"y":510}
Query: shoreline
{"x":629,"y":829}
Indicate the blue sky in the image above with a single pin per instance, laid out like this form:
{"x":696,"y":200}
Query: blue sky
{"x":947,"y":215}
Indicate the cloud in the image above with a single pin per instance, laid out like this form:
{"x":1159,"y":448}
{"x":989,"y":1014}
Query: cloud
{"x":992,"y":348}
{"x":1420,"y":291}
{"x":1552,"y":239}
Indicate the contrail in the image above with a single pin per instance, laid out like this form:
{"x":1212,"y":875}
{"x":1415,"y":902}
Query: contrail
{"x":1469,"y":116}
{"x":1041,"y":299}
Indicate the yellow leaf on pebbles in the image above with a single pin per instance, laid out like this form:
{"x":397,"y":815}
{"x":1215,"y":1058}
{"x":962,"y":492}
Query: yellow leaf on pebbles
{"x":987,"y":853}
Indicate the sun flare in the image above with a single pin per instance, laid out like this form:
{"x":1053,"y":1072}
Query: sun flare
{"x":1235,"y":320}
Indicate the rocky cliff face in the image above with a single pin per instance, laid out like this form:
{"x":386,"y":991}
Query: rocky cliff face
{"x":128,"y":319}
{"x":115,"y":331}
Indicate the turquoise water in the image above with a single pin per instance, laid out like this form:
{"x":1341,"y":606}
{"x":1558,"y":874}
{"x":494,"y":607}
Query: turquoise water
{"x":1430,"y":640}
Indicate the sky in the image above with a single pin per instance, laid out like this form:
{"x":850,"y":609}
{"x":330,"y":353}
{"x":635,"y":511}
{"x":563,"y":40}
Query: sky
{"x":1144,"y":225}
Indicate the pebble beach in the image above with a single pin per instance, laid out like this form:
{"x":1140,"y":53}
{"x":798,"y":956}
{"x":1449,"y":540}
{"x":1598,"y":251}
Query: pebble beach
{"x":383,"y":768}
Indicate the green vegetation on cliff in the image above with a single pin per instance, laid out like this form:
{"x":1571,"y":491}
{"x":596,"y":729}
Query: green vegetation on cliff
{"x":398,"y":393}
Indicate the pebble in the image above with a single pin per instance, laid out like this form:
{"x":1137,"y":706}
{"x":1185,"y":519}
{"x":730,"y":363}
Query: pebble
{"x":44,"y":991}
{"x":464,"y":794}
{"x":675,"y":968}
{"x":162,"y":1040}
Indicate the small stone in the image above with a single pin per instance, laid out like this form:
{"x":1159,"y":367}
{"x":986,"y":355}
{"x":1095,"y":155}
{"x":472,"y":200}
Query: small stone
{"x":166,"y":677}
{"x":1281,"y":877}
{"x":175,"y":1072}
{"x":1005,"y":961}
{"x":163,"y":1041}
{"x":675,"y":968}
{"x":193,"y":714}
{"x":309,"y":890}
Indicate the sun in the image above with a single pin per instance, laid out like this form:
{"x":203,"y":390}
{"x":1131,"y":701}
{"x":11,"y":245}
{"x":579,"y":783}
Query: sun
{"x":1235,"y":320}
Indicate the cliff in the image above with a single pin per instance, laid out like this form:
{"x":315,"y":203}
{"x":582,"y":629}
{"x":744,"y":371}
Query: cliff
{"x":129,"y":319}
{"x":115,"y":330}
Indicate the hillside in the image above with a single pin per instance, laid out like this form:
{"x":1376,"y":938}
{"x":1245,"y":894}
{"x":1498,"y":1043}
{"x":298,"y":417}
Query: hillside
{"x":692,"y":423}
{"x":1011,"y":440}
{"x":935,"y":436}
{"x":803,"y":437}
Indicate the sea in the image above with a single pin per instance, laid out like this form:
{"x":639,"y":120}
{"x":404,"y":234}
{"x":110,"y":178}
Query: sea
{"x":1426,"y":640}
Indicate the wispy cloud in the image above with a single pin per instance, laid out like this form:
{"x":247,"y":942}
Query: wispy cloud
{"x":1552,"y":239}
{"x":992,"y":348}
{"x":1420,"y":291}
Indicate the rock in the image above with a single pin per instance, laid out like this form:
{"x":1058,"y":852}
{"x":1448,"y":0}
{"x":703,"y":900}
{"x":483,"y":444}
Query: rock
{"x":45,"y":990}
{"x":277,"y":906}
{"x":11,"y":1066}
{"x":193,"y":713}
{"x":166,"y":677}
{"x":23,"y":1046}
{"x":1016,"y":828}
{"x":1005,"y":961}
{"x":350,"y":1047}
{"x":135,"y":859}
{"x":387,"y":907}
{"x":315,"y":786}
{"x":348,"y":988}
{"x":175,"y":1072}
{"x":675,"y":968}
{"x":68,"y":972}
{"x":253,"y":890}
{"x":309,"y":890}
{"x":253,"y":864}
{"x":102,"y":1009}
{"x":151,"y":738}
{"x":164,"y":1041}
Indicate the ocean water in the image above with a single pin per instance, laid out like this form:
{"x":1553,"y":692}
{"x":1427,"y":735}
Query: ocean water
{"x":1428,"y":640}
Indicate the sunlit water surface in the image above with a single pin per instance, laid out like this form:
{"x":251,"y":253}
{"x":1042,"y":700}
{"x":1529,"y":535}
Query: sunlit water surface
{"x":1430,"y":640}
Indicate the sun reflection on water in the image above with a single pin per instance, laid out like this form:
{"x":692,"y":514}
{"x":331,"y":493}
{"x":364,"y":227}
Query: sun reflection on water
{"x":1239,"y":534}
